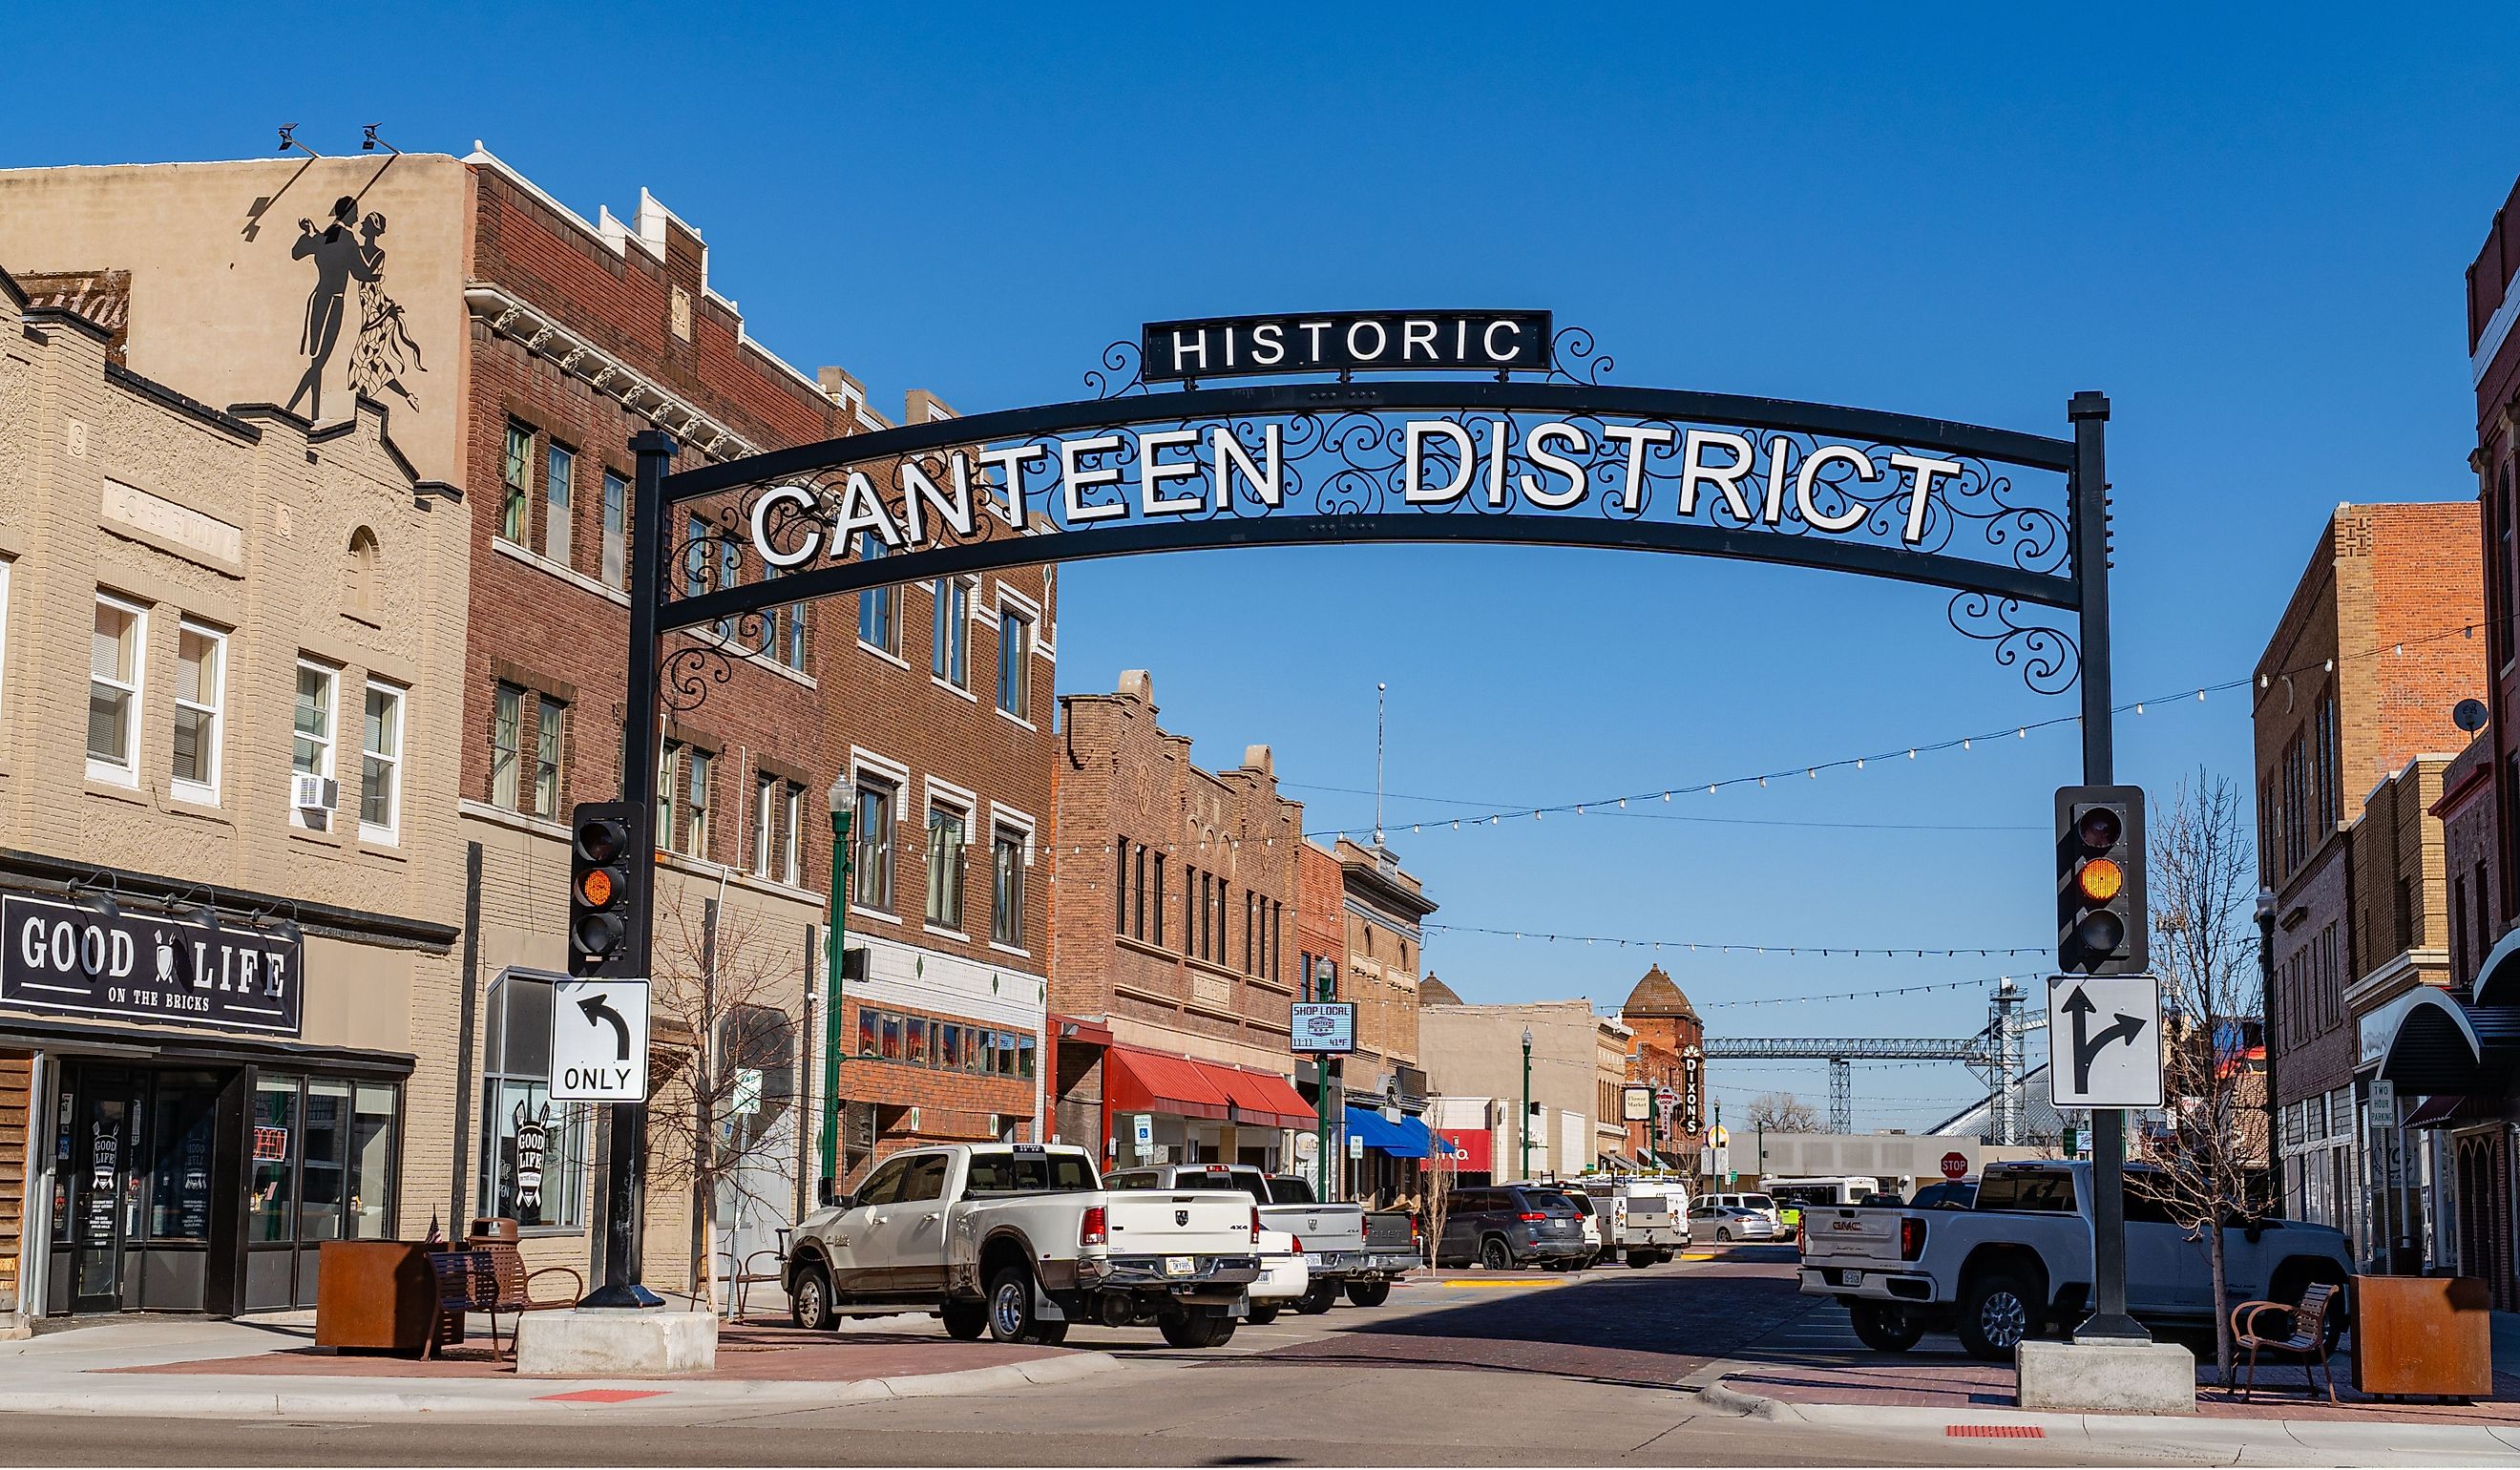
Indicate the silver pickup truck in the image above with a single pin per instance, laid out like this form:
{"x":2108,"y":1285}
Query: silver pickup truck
{"x":1018,"y":1240}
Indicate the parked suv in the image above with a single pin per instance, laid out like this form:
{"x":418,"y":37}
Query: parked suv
{"x":1511,"y":1225}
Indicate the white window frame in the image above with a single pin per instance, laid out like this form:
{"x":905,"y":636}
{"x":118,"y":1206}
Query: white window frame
{"x":1011,"y":616}
{"x":560,"y":516}
{"x":5,"y":565}
{"x":613,"y":518}
{"x":943,"y":881}
{"x":698,"y":809}
{"x":551,"y":728}
{"x":329,"y":753}
{"x":791,"y":851}
{"x":390,"y":831}
{"x":765,"y":791}
{"x":950,"y":628}
{"x":516,"y":752}
{"x":127,"y":772}
{"x":206,"y":792}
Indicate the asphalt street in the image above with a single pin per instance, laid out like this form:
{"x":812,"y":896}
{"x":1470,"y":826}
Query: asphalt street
{"x":1526,"y":1369}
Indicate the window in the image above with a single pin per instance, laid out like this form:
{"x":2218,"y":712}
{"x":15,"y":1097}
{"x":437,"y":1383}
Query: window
{"x":548,"y":715}
{"x":872,"y":883}
{"x":730,"y":573}
{"x":506,"y":735}
{"x":560,"y":466}
{"x":945,"y":837}
{"x":1120,"y":890}
{"x":201,"y":674}
{"x":1159,"y":896}
{"x":950,"y":653}
{"x":1006,"y":887}
{"x":380,"y":764}
{"x":1014,"y":650}
{"x":879,"y":623}
{"x":695,"y":559}
{"x":533,"y":1150}
{"x":4,"y":624}
{"x":794,"y":656}
{"x":683,"y":774}
{"x":616,"y":520}
{"x":791,"y":866}
{"x":310,"y":748}
{"x":765,"y":810}
{"x":363,"y":593}
{"x":517,"y":471}
{"x":113,"y":691}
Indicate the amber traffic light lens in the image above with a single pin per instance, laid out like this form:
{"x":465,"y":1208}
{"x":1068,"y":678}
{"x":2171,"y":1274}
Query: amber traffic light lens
{"x":2099,"y":829}
{"x":597,"y":888}
{"x":2100,"y":880}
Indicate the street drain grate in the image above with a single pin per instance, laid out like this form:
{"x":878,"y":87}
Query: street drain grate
{"x":1993,"y":1432}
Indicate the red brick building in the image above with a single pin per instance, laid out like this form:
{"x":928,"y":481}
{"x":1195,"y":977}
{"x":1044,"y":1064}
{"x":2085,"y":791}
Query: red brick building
{"x":1172,"y":977}
{"x":2360,"y":678}
{"x":516,"y":346}
{"x":1668,"y":1042}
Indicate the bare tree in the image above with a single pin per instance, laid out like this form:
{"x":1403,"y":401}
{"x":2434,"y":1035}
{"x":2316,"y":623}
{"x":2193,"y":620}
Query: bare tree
{"x":1782,"y":1113}
{"x":723,"y":1120}
{"x":2210,"y":1146}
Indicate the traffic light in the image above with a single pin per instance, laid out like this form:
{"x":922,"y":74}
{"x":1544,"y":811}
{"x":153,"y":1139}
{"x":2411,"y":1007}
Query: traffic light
{"x":2100,"y":920}
{"x":607,"y":883}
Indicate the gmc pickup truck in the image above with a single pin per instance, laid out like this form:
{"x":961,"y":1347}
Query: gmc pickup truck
{"x":1333,"y":1235}
{"x":1018,"y":1240}
{"x":2019,"y":1260}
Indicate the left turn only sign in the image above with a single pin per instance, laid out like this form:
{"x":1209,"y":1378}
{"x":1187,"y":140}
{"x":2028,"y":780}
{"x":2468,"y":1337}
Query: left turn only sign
{"x":599,"y":1050}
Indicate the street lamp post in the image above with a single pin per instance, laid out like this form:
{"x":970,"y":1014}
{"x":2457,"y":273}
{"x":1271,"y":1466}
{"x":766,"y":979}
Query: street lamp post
{"x":2267,"y":1038}
{"x":1526,"y":1102}
{"x":844,"y":799}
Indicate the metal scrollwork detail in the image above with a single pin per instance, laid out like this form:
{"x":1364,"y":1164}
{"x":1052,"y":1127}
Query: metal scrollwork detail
{"x":2048,"y":658}
{"x":1121,"y":372}
{"x":1576,"y":358}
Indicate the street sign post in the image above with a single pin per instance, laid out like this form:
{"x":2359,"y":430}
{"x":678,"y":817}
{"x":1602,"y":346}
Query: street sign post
{"x":598,"y":1045}
{"x":2104,"y":1042}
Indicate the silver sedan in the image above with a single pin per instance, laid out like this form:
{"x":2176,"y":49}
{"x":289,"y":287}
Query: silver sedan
{"x":1725,"y":1223}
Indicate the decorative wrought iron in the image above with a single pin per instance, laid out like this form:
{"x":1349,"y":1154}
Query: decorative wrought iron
{"x":2047,"y":656}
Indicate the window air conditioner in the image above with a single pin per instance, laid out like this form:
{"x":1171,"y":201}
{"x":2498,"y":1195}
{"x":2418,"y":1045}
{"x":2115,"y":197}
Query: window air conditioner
{"x":313,"y":793}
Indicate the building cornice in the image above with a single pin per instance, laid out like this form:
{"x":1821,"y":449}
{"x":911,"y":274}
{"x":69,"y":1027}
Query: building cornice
{"x":540,"y":333}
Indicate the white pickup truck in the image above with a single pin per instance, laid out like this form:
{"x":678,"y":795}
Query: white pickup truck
{"x":2020,"y":1260}
{"x":1018,"y":1240}
{"x":1334,"y":1235}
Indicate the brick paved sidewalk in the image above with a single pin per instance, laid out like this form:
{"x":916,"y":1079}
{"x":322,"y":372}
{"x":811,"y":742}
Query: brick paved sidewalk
{"x":757,"y":1349}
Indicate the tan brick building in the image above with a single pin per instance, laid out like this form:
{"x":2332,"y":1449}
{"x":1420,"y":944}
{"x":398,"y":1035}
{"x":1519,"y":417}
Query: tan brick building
{"x":224,"y":1001}
{"x":1578,"y":1059}
{"x":518,"y":345}
{"x":1171,"y":981}
{"x":2372,"y":654}
{"x":1669,"y":1052}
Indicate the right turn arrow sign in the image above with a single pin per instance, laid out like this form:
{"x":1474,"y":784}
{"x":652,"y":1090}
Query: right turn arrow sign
{"x":2116,"y":1065}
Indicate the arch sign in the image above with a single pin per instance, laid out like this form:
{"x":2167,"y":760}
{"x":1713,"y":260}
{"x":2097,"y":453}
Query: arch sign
{"x":1359,"y":428}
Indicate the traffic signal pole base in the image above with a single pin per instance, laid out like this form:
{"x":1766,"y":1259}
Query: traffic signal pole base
{"x":2111,"y":1327}
{"x":2086,"y":1377}
{"x":599,"y":1344}
{"x":619,"y":1295}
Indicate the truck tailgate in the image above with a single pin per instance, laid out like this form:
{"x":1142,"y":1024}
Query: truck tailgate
{"x":1179,"y":1222}
{"x":1324,"y":1228}
{"x":1389,"y":1230}
{"x":1841,"y":1235}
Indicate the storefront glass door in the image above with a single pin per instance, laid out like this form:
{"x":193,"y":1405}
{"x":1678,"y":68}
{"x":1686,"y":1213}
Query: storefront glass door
{"x":105,"y":1183}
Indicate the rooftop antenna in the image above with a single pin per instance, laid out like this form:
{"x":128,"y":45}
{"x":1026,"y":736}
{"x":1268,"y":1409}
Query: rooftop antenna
{"x":1380,"y":689}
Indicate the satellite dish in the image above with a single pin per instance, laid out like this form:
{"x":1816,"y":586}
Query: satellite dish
{"x":2468,"y":714}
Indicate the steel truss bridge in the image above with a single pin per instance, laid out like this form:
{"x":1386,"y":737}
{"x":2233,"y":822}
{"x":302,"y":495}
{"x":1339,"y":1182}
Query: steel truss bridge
{"x":1995,"y":1053}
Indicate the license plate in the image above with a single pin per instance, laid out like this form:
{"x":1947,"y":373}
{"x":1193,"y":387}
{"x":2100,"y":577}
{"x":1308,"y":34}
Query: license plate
{"x":1180,"y":1265}
{"x":1850,"y":1279}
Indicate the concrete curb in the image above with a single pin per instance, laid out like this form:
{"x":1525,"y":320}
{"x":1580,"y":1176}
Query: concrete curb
{"x":336,"y":1399}
{"x":2455,"y":1440}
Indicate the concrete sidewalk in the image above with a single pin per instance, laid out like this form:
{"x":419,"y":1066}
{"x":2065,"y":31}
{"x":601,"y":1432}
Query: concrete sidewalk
{"x":268,"y":1367}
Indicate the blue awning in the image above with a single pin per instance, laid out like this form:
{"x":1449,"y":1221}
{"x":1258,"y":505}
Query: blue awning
{"x":1407,"y":1139}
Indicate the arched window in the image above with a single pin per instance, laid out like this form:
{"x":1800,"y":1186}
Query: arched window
{"x":363,"y":578}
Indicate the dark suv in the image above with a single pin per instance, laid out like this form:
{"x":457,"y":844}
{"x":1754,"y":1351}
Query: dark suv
{"x":1510,"y":1226}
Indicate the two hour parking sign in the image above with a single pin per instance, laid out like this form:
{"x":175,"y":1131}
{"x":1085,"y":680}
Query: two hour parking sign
{"x":599,"y":1052}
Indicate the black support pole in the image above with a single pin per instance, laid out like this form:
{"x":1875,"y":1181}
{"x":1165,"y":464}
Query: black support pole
{"x":626,"y":1155}
{"x":2090,"y":412}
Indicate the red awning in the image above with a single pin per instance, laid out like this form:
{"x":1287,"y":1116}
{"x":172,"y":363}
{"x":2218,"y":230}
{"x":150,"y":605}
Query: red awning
{"x":2439,"y":1110}
{"x":1260,"y":1097}
{"x":1139,"y":1081}
{"x":1470,"y":1148}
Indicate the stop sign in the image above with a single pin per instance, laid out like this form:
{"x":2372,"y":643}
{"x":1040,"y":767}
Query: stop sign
{"x":1955,"y":1165}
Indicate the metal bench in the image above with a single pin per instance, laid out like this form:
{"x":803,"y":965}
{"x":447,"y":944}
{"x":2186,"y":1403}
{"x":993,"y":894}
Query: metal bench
{"x":491,"y":1277}
{"x":2307,"y":1336}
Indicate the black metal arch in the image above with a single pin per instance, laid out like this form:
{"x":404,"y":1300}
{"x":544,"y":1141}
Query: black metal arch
{"x":1351,"y":402}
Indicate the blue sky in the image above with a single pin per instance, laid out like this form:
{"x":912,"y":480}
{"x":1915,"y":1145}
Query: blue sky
{"x":2248,"y":228}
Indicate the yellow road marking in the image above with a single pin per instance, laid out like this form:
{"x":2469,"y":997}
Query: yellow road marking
{"x":1523,"y":1284}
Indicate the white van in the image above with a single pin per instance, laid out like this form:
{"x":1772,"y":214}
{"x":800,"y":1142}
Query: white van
{"x":1645,"y":1220}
